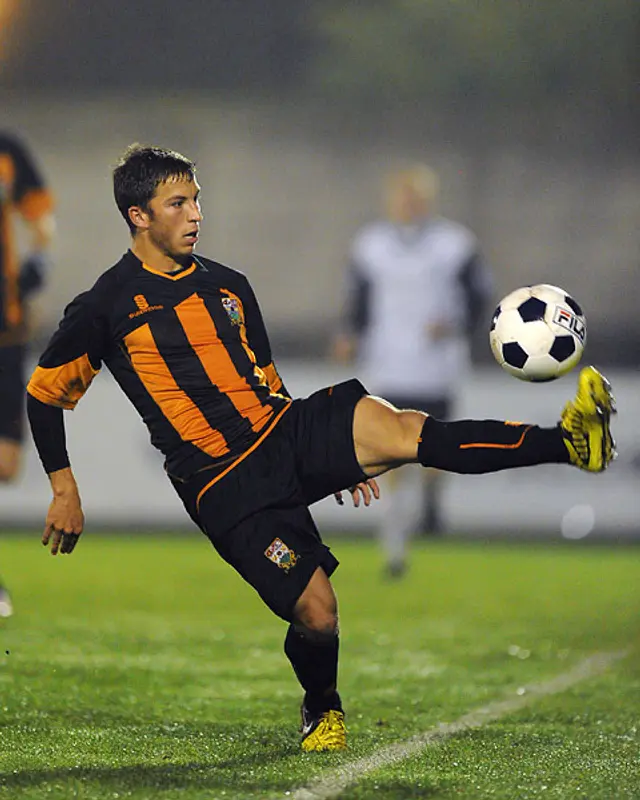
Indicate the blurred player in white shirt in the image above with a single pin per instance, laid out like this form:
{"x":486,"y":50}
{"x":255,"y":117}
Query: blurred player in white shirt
{"x":417,"y":287}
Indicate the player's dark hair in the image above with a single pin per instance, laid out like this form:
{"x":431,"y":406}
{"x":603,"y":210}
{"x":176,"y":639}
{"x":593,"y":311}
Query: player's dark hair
{"x":140,"y":170}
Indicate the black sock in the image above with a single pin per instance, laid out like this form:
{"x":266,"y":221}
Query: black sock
{"x":315,"y":662}
{"x":477,"y":446}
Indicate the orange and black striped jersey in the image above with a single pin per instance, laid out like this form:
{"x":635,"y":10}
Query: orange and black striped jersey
{"x":189,"y":349}
{"x":22,"y":190}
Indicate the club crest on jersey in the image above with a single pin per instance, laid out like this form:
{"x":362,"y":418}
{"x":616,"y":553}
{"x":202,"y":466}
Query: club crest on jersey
{"x":280,"y":554}
{"x":232,"y":307}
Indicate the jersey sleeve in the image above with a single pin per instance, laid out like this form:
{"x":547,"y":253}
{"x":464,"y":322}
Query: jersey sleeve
{"x":73,"y":356}
{"x":47,"y":429}
{"x":31,"y":196}
{"x":258,"y":340}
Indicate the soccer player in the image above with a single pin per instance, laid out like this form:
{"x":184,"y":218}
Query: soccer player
{"x":184,"y":338}
{"x":23,"y":194}
{"x":417,"y":289}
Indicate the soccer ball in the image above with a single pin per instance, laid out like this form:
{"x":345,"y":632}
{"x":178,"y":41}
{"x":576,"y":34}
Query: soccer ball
{"x":538,"y":333}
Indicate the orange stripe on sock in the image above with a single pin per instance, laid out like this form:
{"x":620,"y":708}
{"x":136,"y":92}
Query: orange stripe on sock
{"x":495,"y":445}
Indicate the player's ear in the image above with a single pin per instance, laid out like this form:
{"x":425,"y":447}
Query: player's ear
{"x":139,"y":217}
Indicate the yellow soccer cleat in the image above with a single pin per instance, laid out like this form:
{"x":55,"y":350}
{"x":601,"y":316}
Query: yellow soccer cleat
{"x":585,"y":423}
{"x":326,"y":731}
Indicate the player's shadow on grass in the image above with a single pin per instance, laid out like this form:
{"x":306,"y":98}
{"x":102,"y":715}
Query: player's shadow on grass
{"x":401,"y":790}
{"x":232,"y":774}
{"x":254,"y":752}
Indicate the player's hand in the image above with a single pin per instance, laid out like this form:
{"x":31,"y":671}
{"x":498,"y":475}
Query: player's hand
{"x":64,"y":523}
{"x":368,"y":489}
{"x":436,"y":331}
{"x":32,"y":274}
{"x":343,"y":348}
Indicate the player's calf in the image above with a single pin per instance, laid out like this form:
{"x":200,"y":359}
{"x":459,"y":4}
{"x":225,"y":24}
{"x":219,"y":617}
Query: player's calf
{"x":312,"y":646}
{"x":479,"y":446}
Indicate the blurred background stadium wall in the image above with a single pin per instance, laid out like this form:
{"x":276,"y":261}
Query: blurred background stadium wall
{"x":283,"y":195}
{"x":293,"y":111}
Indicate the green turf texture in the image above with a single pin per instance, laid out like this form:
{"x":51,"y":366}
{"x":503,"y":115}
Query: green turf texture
{"x":143,"y":667}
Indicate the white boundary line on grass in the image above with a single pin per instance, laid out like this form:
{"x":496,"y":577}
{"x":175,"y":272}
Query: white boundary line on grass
{"x":330,"y":784}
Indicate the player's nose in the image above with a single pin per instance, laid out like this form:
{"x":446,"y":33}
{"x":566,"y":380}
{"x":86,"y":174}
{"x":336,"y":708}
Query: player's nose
{"x":195,"y":212}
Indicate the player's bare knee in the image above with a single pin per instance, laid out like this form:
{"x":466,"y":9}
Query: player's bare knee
{"x":316,"y":616}
{"x":316,"y":611}
{"x":384,"y":435}
{"x":411,"y":424}
{"x":405,"y":432}
{"x":318,"y":628}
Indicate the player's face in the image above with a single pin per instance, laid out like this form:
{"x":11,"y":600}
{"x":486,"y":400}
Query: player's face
{"x":406,"y":203}
{"x":174,"y":217}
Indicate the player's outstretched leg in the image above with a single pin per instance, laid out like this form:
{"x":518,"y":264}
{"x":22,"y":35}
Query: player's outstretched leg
{"x":582,"y":437}
{"x":385,"y":437}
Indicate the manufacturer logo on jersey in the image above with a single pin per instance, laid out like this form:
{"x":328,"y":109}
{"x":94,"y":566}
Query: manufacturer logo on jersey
{"x":567,"y":319}
{"x":280,"y":554}
{"x":143,"y":306}
{"x":232,"y":307}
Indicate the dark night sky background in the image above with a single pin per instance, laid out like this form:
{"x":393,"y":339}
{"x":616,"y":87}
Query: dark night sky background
{"x":497,"y":53}
{"x":215,"y":45}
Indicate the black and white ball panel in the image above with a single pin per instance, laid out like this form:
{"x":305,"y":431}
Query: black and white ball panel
{"x":537,"y":333}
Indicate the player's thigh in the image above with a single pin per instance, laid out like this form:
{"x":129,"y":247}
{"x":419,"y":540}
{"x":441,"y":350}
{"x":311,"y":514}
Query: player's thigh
{"x":320,"y":429}
{"x":384,"y":436}
{"x":277,"y":551}
{"x":11,"y":410}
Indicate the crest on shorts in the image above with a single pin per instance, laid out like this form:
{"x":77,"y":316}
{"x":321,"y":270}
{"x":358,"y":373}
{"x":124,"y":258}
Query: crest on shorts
{"x":232,"y":307}
{"x":280,"y":554}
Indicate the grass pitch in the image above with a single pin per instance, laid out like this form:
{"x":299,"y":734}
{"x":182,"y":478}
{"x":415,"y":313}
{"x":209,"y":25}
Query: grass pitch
{"x":143,"y":667}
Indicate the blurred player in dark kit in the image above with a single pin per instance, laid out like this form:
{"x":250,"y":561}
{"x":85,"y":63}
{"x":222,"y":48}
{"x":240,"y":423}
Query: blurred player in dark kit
{"x":184,"y":338}
{"x":23,"y":195}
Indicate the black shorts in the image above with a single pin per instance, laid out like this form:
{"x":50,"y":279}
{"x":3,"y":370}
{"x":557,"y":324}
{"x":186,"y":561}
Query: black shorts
{"x":438,"y":407}
{"x":256,"y":515}
{"x":12,"y":392}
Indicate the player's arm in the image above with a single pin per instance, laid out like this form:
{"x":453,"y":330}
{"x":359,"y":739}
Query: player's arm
{"x":64,"y":373}
{"x":34,"y":202}
{"x":258,"y":341}
{"x":477,"y":285}
{"x":34,"y":270}
{"x":356,"y":314}
{"x":65,"y":520}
